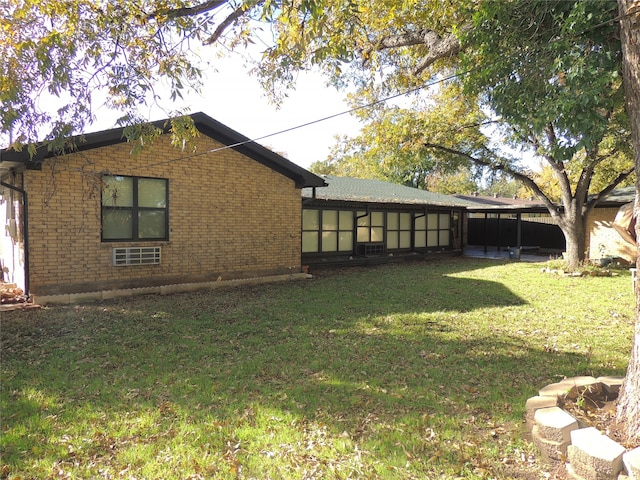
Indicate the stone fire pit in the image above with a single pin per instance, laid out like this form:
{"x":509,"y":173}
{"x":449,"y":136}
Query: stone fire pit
{"x":561,"y":438}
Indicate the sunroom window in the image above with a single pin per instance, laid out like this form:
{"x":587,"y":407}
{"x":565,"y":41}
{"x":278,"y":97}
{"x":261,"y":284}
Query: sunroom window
{"x":398,"y":230}
{"x":432,"y":230}
{"x":327,"y":230}
{"x":370,"y":227}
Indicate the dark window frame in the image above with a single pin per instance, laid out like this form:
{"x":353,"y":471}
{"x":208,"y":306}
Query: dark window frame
{"x":135,"y":210}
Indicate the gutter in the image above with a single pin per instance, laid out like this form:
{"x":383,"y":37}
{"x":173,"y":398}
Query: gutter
{"x":25,"y":229}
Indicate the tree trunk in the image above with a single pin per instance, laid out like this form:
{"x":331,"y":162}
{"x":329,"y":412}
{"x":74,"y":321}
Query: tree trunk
{"x":575,"y":236}
{"x":628,"y":412}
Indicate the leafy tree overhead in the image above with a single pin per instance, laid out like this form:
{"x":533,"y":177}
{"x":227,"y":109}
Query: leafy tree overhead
{"x":392,"y":143}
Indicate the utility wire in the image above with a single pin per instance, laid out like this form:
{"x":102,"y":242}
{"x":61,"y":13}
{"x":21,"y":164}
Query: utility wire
{"x":313,"y":122}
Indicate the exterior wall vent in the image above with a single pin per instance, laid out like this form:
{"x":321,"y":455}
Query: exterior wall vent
{"x":136,"y":256}
{"x":368,"y":249}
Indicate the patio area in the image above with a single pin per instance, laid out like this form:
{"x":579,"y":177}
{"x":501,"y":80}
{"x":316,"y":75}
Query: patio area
{"x":527,"y":254}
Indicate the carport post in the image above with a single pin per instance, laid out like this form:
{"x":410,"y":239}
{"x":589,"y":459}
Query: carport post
{"x":484,"y":231}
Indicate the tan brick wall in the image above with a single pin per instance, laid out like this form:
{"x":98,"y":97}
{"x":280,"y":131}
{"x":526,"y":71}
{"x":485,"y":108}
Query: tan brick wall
{"x":229,"y":217}
{"x":601,"y":232}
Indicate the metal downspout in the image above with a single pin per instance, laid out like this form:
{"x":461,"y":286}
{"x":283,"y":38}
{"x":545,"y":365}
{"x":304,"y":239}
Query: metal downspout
{"x":25,"y":229}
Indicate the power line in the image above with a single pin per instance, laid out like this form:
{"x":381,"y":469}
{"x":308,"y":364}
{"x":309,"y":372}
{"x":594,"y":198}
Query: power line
{"x":313,"y":122}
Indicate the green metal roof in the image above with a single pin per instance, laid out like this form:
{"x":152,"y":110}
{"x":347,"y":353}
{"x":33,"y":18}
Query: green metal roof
{"x":377,"y":191}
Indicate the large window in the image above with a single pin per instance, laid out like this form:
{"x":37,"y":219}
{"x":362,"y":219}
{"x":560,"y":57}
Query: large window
{"x":327,"y":231}
{"x":370,"y":227}
{"x":398,"y":230}
{"x":134,"y":208}
{"x":432,"y":230}
{"x":438,"y":229}
{"x":375,"y":232}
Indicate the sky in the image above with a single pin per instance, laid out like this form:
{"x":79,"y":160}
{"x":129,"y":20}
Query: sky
{"x":235,"y":98}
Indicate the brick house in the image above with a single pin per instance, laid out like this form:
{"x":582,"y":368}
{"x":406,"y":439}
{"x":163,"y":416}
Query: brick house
{"x":101,"y":220}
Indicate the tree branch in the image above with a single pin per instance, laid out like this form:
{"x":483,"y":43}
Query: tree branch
{"x":448,"y":46}
{"x":233,"y":16}
{"x":409,"y":39}
{"x":552,"y":207}
{"x":438,"y":46}
{"x":188,"y":11}
{"x":558,"y":166}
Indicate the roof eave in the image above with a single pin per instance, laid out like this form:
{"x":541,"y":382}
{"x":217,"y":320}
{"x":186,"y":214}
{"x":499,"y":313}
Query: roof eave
{"x":205,"y":124}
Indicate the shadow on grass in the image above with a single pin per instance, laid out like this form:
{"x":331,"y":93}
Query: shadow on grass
{"x":402,"y":362}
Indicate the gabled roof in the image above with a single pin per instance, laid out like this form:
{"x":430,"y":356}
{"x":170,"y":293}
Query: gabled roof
{"x":377,"y":191}
{"x":205,"y":124}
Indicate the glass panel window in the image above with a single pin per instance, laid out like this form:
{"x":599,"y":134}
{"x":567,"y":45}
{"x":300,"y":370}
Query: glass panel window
{"x":309,"y":242}
{"x":445,"y":221}
{"x":405,"y":221}
{"x":377,"y":219}
{"x":444,"y":238}
{"x":421,"y":223}
{"x":432,"y":238}
{"x":405,"y":239}
{"x":363,"y":234}
{"x":432,"y":221}
{"x":377,"y":234}
{"x":392,"y":240}
{"x":134,"y":208}
{"x":152,"y":193}
{"x":398,"y":230}
{"x":310,"y":219}
{"x":330,"y":220}
{"x":364,"y":229}
{"x":332,"y":228}
{"x":421,"y":239}
{"x":345,"y":242}
{"x":151,"y":224}
{"x":392,"y":221}
{"x":329,"y":241}
{"x":363,"y":219}
{"x":116,"y":224}
{"x":346,"y":220}
{"x":117,"y":192}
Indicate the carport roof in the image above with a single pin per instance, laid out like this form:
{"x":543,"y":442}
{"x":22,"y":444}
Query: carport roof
{"x":484,"y":203}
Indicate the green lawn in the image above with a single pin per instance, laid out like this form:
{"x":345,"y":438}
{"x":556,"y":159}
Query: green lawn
{"x":419,"y":370}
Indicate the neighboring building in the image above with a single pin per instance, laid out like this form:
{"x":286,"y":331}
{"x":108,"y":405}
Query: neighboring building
{"x":99,"y":219}
{"x":362,"y":221}
{"x":610,"y":227}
